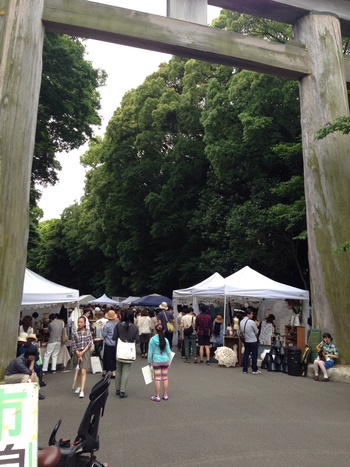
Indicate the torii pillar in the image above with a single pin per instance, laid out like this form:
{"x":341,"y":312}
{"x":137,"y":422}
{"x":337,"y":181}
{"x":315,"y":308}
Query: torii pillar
{"x":323,"y":97}
{"x":21,"y":44}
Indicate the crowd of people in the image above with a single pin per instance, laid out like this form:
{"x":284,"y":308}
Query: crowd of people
{"x":100,"y":329}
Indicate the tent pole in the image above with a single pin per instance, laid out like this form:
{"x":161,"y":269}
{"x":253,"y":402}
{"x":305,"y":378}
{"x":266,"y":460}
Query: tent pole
{"x":225,"y":315}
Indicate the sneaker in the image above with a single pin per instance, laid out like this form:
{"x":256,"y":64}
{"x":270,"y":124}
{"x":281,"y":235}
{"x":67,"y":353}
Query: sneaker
{"x":245,"y":372}
{"x":81,"y":395}
{"x":187,"y":361}
{"x":200,"y":361}
{"x":155,"y":398}
{"x":258,"y":372}
{"x":117,"y":392}
{"x":123,"y":395}
{"x":165,"y":397}
{"x":195,"y":361}
{"x":207,"y":362}
{"x":316,"y":378}
{"x":325,"y":380}
{"x":77,"y":390}
{"x":41,"y":397}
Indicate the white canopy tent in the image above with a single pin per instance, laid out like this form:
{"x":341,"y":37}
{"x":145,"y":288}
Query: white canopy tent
{"x":245,"y":283}
{"x":38,"y":291}
{"x":214,"y":282}
{"x":103,"y":300}
{"x":84,"y":299}
{"x":129,"y":300}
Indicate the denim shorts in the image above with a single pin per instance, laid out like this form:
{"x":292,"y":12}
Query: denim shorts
{"x":329,"y":363}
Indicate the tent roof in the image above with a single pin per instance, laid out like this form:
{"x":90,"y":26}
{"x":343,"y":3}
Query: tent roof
{"x":214,"y":281}
{"x":40,"y":291}
{"x":249,"y":283}
{"x":129,"y":299}
{"x":84,"y":299}
{"x":153,"y":300}
{"x":244,"y":283}
{"x":103,"y":300}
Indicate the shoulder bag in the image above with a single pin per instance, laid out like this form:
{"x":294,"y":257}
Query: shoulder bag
{"x":241,"y":334}
{"x":64,"y":337}
{"x":189,"y":331}
{"x":169,"y":325}
{"x":126,"y":351}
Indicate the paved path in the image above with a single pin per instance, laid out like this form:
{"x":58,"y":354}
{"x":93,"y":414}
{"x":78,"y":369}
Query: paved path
{"x":214,"y":417}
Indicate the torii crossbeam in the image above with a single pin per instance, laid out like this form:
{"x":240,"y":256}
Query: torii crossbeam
{"x":315,"y":59}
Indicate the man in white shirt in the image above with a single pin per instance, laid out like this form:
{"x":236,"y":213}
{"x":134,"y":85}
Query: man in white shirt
{"x":250,"y":333}
{"x":188,"y":323}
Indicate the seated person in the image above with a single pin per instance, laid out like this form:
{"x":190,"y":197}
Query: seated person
{"x":31,"y":342}
{"x":327,"y":353}
{"x":21,"y":369}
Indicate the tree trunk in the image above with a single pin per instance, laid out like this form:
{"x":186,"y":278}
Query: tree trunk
{"x":21,"y":43}
{"x":323,"y":97}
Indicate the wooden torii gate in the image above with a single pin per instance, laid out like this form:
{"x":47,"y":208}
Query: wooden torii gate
{"x":315,"y":59}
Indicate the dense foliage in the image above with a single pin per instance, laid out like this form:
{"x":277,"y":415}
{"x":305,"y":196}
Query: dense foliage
{"x":200,"y":170}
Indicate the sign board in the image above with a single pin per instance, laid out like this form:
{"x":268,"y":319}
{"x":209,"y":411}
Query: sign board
{"x":19,"y":424}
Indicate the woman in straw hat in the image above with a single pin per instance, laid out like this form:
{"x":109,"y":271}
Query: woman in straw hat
{"x":109,"y":353}
{"x":166,"y":319}
{"x":218,"y":331}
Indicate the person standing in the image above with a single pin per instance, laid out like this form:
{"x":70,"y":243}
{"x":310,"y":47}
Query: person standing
{"x":158,"y":357}
{"x":81,"y":343}
{"x":180,"y":336}
{"x":53,"y":348}
{"x":250,"y":333}
{"x":109,"y":356}
{"x":126,"y":331}
{"x":188,"y":324}
{"x":218,"y":331}
{"x":327,"y":353}
{"x":144,"y":323}
{"x":164,"y":317}
{"x":203,"y":327}
{"x":87,"y":314}
{"x":26,"y":325}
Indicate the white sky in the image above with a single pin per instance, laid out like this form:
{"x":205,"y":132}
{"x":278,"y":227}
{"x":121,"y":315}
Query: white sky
{"x":127,"y":68}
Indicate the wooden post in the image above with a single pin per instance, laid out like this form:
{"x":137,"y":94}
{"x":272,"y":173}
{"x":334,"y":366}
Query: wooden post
{"x":193,"y":11}
{"x":21,"y":43}
{"x":323,"y":97}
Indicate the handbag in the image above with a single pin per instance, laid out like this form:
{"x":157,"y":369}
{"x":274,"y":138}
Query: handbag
{"x":64,"y":337}
{"x":126,"y":351}
{"x":241,"y":334}
{"x":169,"y":325}
{"x":189,"y":331}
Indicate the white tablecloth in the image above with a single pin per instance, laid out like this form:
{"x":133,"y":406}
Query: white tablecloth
{"x":63,"y":357}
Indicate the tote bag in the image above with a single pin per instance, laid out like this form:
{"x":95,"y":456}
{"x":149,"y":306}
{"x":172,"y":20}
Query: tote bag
{"x":126,"y":351}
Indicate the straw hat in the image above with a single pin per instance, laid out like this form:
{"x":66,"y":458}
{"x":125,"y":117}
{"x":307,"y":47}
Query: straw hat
{"x":32,"y":336}
{"x":219,"y":319}
{"x":111,"y":315}
{"x":163,"y":306}
{"x":22,"y":337}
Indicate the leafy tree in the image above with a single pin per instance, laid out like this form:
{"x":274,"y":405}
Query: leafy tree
{"x":68,"y":109}
{"x":200,"y":169}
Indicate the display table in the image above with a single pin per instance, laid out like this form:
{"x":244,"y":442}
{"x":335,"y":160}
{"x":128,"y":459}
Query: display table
{"x":63,"y":356}
{"x":230,"y":341}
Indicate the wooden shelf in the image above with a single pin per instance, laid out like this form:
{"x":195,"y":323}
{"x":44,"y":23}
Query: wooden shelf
{"x":295,"y":335}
